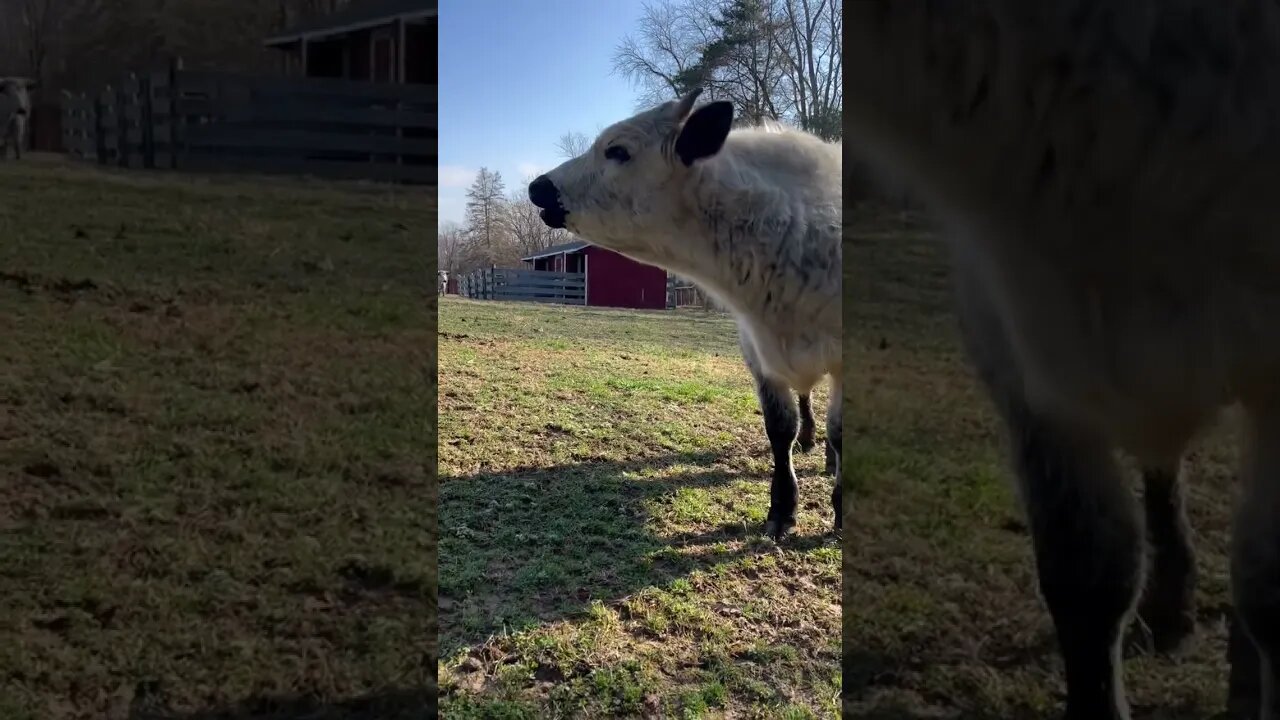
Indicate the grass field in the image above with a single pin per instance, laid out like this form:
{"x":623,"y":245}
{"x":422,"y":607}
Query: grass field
{"x":216,"y":429}
{"x":942,"y":614}
{"x":604,"y":483}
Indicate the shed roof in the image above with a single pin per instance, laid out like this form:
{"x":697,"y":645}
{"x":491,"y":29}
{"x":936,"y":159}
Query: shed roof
{"x":358,"y":15}
{"x":568,"y":247}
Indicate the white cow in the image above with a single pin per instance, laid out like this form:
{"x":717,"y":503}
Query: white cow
{"x":15,"y":112}
{"x":753,"y":216}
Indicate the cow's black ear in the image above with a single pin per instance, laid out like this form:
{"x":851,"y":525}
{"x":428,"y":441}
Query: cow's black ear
{"x":703,"y":134}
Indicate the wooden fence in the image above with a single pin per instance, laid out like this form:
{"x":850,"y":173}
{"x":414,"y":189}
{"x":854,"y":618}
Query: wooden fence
{"x":216,"y":121}
{"x":682,"y":293}
{"x":683,"y":296}
{"x":524,"y":285}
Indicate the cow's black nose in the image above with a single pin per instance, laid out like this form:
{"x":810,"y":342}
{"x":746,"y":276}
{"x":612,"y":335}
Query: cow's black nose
{"x":543,"y":193}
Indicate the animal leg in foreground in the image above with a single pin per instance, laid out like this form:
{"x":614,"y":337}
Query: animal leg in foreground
{"x":1088,"y":544}
{"x":835,"y":440}
{"x":780,"y":424}
{"x":807,"y":427}
{"x":1255,"y":563}
{"x":1167,"y":609}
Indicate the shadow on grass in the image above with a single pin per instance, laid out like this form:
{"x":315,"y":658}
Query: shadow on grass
{"x":866,"y":672}
{"x":534,"y":545}
{"x":388,"y":705}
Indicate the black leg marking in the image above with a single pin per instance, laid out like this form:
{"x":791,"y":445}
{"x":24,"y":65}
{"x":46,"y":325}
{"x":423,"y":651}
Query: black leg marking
{"x":833,"y":461}
{"x":835,"y":435}
{"x":808,"y":428}
{"x":1084,"y":523}
{"x":835,"y":447}
{"x":808,"y":433}
{"x":1168,"y":608}
{"x":1255,"y":568}
{"x":781,"y":425}
{"x":1088,"y":547}
{"x":1244,"y":684}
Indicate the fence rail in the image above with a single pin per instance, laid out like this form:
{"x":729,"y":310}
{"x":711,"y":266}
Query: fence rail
{"x":524,"y":285}
{"x":218,"y":121}
{"x":685,"y":294}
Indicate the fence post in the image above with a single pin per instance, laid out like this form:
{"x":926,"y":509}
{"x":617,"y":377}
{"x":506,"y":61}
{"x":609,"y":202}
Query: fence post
{"x":88,"y":123}
{"x":122,"y":123}
{"x":110,"y":135}
{"x":99,"y":136}
{"x":66,"y":122}
{"x":177,"y":124}
{"x":143,"y":99}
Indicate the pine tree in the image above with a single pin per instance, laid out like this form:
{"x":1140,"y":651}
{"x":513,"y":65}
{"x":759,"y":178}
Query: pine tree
{"x":485,"y":203}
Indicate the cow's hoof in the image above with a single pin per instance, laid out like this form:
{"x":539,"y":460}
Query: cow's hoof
{"x":1138,"y":640}
{"x":1170,"y":638}
{"x":806,"y":443}
{"x":1240,"y":710}
{"x":1175,"y":641}
{"x":1170,"y":634}
{"x":778,"y":529}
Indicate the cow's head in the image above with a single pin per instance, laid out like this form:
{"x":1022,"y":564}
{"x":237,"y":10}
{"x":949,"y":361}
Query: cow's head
{"x":15,"y":92}
{"x":627,"y":183}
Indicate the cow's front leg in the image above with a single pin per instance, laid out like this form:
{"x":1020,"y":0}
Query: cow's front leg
{"x":781,"y":424}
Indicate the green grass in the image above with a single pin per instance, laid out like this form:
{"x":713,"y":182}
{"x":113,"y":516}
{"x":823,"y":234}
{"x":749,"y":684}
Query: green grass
{"x":942,"y":614}
{"x":604,"y":482}
{"x":216,"y":443}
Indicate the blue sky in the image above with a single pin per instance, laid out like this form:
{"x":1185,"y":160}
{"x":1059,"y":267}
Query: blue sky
{"x":515,"y":75}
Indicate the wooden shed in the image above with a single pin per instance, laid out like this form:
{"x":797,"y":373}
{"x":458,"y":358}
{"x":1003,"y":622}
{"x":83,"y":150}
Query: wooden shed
{"x":372,"y":40}
{"x":45,"y":126}
{"x":612,"y":279}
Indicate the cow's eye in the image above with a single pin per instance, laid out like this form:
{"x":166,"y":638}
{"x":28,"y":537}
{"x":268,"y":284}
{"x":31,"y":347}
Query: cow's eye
{"x":617,"y":152}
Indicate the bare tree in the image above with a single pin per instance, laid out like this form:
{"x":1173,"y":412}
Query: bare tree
{"x":38,"y":19}
{"x":451,"y":247}
{"x":742,"y":63}
{"x":488,"y":226}
{"x":34,"y":33}
{"x":573,"y":144}
{"x":527,"y":231}
{"x":11,"y":45}
{"x":667,"y":43}
{"x":811,"y":41}
{"x":777,"y":59}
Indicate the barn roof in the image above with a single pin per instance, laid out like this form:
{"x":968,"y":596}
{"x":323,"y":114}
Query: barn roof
{"x":568,"y":247}
{"x":358,"y":15}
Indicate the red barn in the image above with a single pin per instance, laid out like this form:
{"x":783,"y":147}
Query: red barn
{"x":612,"y":280}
